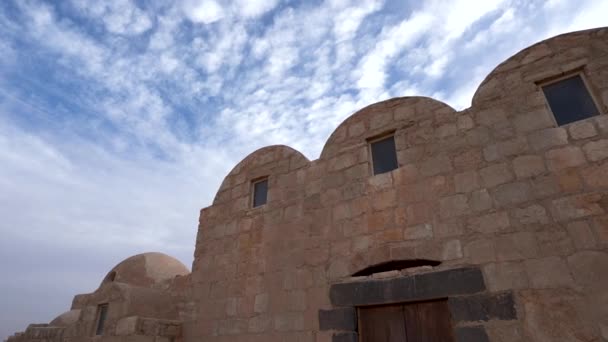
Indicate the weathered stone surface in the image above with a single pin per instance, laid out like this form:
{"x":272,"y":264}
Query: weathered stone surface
{"x":548,"y":138}
{"x":480,"y":251}
{"x":506,"y":275}
{"x":590,"y":268}
{"x":512,"y":193}
{"x":452,"y":206}
{"x":528,"y":166}
{"x":516,"y":246}
{"x":596,"y":176}
{"x":550,"y":272}
{"x":581,"y":234}
{"x":565,"y":157}
{"x":582,"y":130}
{"x":596,"y":150}
{"x":483,"y":307}
{"x":533,"y":214}
{"x":555,"y":315}
{"x":490,"y":223}
{"x":577,"y":206}
{"x":495,"y":175}
{"x":466,"y":181}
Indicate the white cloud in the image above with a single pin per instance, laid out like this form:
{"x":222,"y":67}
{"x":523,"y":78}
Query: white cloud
{"x":118,"y":16}
{"x":203,"y":11}
{"x":254,"y":8}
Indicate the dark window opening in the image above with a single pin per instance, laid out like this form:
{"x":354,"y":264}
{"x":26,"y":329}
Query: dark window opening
{"x":384,"y":155}
{"x":395,"y":265}
{"x":102,"y":312}
{"x":570,"y":100}
{"x":260,"y":192}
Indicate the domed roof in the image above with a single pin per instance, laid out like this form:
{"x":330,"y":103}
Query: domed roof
{"x":146,"y":269}
{"x":66,"y":318}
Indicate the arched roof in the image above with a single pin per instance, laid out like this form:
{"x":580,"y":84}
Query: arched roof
{"x":146,"y":269}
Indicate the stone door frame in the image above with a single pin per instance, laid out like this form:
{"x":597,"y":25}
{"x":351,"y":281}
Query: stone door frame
{"x":468,"y":299}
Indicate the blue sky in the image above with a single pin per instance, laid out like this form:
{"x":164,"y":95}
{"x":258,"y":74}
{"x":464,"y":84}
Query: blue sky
{"x":119,"y":118}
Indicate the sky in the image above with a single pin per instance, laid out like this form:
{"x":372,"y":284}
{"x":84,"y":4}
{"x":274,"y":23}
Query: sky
{"x":120,"y":118}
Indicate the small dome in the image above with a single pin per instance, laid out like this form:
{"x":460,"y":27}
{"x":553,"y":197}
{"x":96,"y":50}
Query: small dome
{"x":146,"y":269}
{"x":66,"y":318}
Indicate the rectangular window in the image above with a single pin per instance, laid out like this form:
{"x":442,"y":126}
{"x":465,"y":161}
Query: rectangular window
{"x":260,"y":192}
{"x":570,"y":100}
{"x":102,"y":312}
{"x":384,"y":155}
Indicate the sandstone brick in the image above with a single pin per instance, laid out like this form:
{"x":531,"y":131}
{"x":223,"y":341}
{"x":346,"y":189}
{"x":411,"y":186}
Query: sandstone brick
{"x":480,"y":251}
{"x":446,"y":130}
{"x":410,"y":155}
{"x":447,"y":229}
{"x":554,"y":241}
{"x":581,"y":235}
{"x":468,"y":160}
{"x":550,"y":272}
{"x":356,"y":129}
{"x":576,"y":206}
{"x":582,"y":130}
{"x":602,"y":123}
{"x":451,"y":249}
{"x":416,"y":213}
{"x":532,"y":121}
{"x":466,"y":181}
{"x":515,"y":146}
{"x":555,"y":315}
{"x":480,"y":200}
{"x":596,"y":150}
{"x":490,"y":223}
{"x":496,"y":174}
{"x":420,"y":231}
{"x":436,"y":165}
{"x":505,"y":331}
{"x":516,"y":246}
{"x":406,"y":174}
{"x":564,"y":157}
{"x":505,"y":276}
{"x":569,"y":181}
{"x":491,"y":116}
{"x":528,"y":166}
{"x":534,"y":213}
{"x":465,"y":122}
{"x":490,"y":153}
{"x":384,"y":200}
{"x":452,"y":206}
{"x":361,"y":243}
{"x":381,"y":181}
{"x":380,"y":120}
{"x":600,"y":227}
{"x":589,"y":269}
{"x":596,"y":176}
{"x":548,"y":138}
{"x":512,"y":193}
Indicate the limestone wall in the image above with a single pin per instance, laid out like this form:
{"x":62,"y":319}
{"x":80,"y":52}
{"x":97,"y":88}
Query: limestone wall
{"x":497,"y":188}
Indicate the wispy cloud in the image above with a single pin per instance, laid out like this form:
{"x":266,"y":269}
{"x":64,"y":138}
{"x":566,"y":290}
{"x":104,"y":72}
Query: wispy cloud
{"x":119,"y":119}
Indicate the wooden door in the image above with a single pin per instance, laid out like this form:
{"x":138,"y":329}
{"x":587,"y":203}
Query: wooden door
{"x":416,"y":322}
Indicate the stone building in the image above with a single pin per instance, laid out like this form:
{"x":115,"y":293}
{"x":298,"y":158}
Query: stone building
{"x":417,"y":223}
